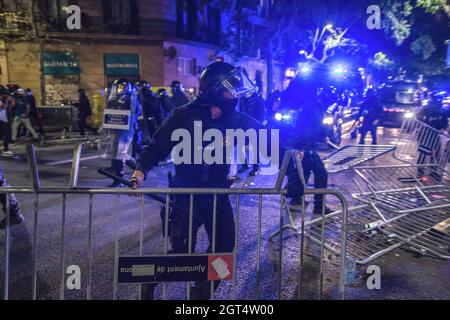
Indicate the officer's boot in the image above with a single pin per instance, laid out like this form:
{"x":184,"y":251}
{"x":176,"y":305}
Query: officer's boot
{"x":318,"y":208}
{"x":244,"y":167}
{"x":117,"y":170}
{"x":255,"y":170}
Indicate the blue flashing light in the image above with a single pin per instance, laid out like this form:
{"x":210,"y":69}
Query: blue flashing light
{"x":278,"y":116}
{"x":305,"y":69}
{"x":339,"y":70}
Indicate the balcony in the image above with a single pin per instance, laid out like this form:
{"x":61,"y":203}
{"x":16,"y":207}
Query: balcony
{"x":13,"y":24}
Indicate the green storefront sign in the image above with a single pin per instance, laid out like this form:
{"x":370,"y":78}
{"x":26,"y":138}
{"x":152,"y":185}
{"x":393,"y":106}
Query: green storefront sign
{"x":126,"y":64}
{"x":60,"y":63}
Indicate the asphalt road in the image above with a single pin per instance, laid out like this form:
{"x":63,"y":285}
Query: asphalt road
{"x":404,"y":274}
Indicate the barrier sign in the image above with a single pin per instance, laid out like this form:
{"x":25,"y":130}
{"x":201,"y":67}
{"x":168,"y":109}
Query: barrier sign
{"x":116,"y":119}
{"x":177,"y":268}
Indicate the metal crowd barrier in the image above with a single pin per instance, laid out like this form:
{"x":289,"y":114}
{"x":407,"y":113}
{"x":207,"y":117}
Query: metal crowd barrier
{"x":65,"y":137}
{"x":388,"y":177}
{"x":37,"y":191}
{"x":406,"y":203}
{"x":419,"y":143}
{"x":58,"y":117}
{"x":351,"y":155}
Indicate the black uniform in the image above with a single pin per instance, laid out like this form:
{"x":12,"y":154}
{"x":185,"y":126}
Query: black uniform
{"x":165,"y":102}
{"x":151,"y":112}
{"x":371,"y":110}
{"x":253,"y":106}
{"x":178,"y":99}
{"x":84,"y":112}
{"x":309,"y":132}
{"x":190,"y":175}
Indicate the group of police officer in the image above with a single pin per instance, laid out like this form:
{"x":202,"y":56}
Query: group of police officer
{"x":147,"y":112}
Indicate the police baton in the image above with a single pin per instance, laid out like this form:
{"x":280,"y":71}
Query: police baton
{"x":156,"y":197}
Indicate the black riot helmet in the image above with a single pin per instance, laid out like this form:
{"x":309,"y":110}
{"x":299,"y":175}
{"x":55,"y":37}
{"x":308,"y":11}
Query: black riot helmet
{"x":142,"y":85}
{"x":176,"y":86}
{"x":222,"y":84}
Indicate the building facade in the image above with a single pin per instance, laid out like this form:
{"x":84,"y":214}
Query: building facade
{"x":154,"y":40}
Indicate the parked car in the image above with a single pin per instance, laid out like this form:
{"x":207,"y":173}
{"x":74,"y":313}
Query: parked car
{"x":400,"y":100}
{"x":441,"y":85}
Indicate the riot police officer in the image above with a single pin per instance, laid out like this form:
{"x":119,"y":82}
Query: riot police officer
{"x":253,"y":106}
{"x":120,"y":96}
{"x":178,"y":97}
{"x":150,"y":110}
{"x":371,"y":110}
{"x":221,"y":85}
{"x":164,"y":101}
{"x":309,"y":132}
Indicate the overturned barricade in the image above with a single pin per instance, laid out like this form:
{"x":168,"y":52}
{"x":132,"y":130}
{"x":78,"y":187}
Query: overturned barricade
{"x":405,"y":204}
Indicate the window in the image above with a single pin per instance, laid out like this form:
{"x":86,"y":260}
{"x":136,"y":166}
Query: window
{"x":198,"y":22}
{"x":56,"y":14}
{"x":186,"y":66}
{"x":120,"y":16}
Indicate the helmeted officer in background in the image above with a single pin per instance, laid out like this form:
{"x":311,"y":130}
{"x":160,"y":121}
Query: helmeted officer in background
{"x":221,"y":86}
{"x":308,"y":133}
{"x":121,"y":96}
{"x":371,"y":111}
{"x":254,"y":106}
{"x":164,"y":100}
{"x":151,"y":112}
{"x":178,"y":97}
{"x":429,"y":141}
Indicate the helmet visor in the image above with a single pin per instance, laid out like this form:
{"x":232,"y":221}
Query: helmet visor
{"x":122,"y":89}
{"x":238,"y":84}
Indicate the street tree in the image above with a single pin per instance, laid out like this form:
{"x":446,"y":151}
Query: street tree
{"x":419,"y":30}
